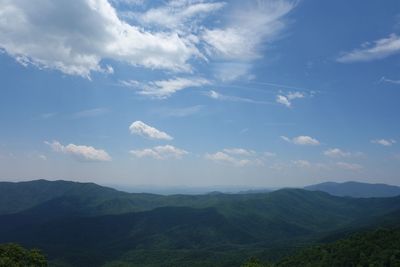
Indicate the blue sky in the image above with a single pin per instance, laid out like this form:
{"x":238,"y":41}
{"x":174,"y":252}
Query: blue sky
{"x":199,"y":93}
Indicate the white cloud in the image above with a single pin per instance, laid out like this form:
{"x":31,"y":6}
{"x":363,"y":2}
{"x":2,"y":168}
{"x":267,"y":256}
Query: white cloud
{"x":178,"y":14}
{"x":384,"y":142}
{"x":230,"y":71}
{"x":239,"y":157}
{"x":142,"y":129}
{"x":249,"y":25}
{"x":222,"y":157}
{"x":128,"y":2}
{"x":288,"y":98}
{"x":269,"y":154}
{"x":160,"y":152}
{"x":349,"y":166}
{"x":283,"y":100}
{"x":218,"y":96}
{"x":245,"y":31}
{"x":75,"y":36}
{"x":336,"y":153}
{"x":302,"y":163}
{"x":239,"y":151}
{"x":165,"y":88}
{"x":302,"y":140}
{"x":86,"y":153}
{"x":378,"y":49}
{"x":308,"y":165}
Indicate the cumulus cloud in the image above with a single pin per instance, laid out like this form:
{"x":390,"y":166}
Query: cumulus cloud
{"x":142,"y":129}
{"x":78,"y":37}
{"x":81,"y":152}
{"x":239,"y":157}
{"x":349,"y":166}
{"x":75,"y":36}
{"x":384,"y":142}
{"x":302,"y":140}
{"x":378,"y":49}
{"x":160,"y":152}
{"x":287,"y":99}
{"x":165,"y":88}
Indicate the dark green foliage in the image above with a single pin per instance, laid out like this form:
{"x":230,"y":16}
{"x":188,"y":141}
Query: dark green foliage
{"x":254,"y":262}
{"x":13,"y":255}
{"x":376,"y":248}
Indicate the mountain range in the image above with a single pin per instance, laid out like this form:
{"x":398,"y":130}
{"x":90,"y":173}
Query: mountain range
{"x":84,"y":224}
{"x":356,"y":189}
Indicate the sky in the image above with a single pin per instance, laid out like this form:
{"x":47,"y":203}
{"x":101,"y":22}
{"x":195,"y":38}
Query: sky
{"x":258,"y":93}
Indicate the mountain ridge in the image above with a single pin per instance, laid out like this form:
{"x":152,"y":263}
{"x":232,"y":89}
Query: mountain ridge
{"x":356,"y":189}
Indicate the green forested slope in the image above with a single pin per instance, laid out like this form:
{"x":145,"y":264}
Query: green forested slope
{"x":89,"y":225}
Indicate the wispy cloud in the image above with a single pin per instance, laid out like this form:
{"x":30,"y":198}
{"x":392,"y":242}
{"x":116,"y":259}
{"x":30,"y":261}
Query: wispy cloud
{"x":48,"y":115}
{"x":336,"y":153}
{"x":378,"y":49}
{"x":88,"y":113}
{"x":238,"y":157}
{"x":179,"y":112}
{"x":247,"y":28}
{"x":249,"y":24}
{"x":160,"y":152}
{"x":349,"y":166}
{"x":239,"y":151}
{"x":302,"y":140}
{"x":128,"y":2}
{"x":142,"y":129}
{"x":81,"y":152}
{"x":308,"y":165}
{"x":384,"y":142}
{"x":386,"y":80}
{"x":302,"y":163}
{"x":339,"y":153}
{"x":218,"y":96}
{"x":183,"y":15}
{"x":165,"y":88}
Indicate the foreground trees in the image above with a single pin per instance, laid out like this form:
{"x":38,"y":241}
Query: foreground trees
{"x":375,"y":248}
{"x":13,"y":255}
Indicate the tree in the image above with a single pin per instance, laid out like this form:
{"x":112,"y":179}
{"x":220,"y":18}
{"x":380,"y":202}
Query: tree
{"x":14,"y":255}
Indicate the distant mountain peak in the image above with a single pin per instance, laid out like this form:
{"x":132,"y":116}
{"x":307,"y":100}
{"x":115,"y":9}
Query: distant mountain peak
{"x":356,"y":189}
